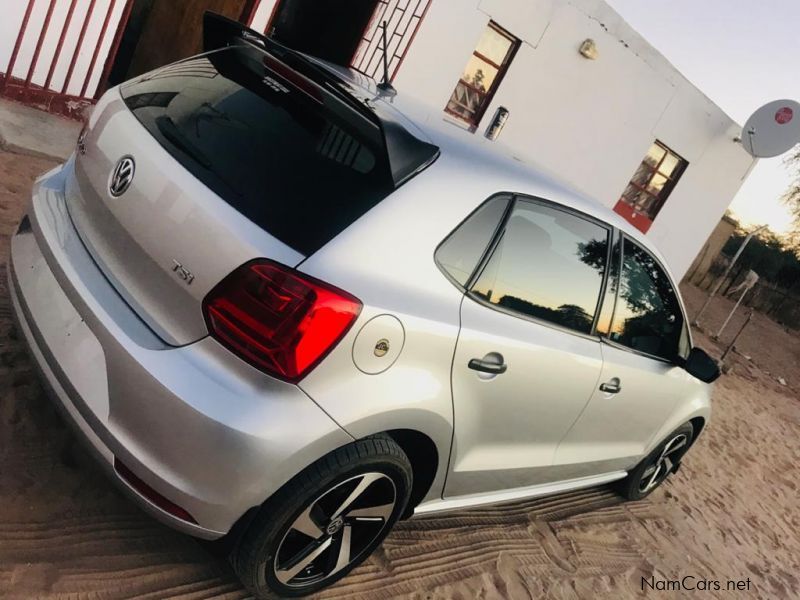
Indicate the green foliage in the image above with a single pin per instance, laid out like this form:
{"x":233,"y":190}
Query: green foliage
{"x":792,"y":197}
{"x":773,"y":258}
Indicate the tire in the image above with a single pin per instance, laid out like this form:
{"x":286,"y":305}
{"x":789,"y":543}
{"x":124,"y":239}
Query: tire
{"x":272,"y":556}
{"x":654,"y":469}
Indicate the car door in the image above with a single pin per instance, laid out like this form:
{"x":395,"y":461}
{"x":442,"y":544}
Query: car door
{"x":644,"y":337}
{"x":526,"y":361}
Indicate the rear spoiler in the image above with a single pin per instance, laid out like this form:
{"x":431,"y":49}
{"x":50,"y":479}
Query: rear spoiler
{"x":406,"y":153}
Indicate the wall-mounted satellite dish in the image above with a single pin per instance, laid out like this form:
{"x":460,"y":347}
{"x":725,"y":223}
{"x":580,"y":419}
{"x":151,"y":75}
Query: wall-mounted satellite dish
{"x":773,"y":129}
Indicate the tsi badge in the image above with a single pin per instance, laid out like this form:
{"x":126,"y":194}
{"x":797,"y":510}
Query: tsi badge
{"x":182,"y":272}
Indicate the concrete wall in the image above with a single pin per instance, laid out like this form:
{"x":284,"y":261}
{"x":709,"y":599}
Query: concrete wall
{"x":589,"y":121}
{"x":262,"y":14}
{"x":13,"y":13}
{"x":711,"y":249}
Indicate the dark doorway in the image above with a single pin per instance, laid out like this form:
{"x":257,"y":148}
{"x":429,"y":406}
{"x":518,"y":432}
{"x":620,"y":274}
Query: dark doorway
{"x":130,"y":38}
{"x":327,"y":29}
{"x":160,"y":32}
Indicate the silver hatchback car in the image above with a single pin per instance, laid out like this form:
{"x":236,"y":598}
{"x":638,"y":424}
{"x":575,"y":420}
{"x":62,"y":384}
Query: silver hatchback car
{"x":289,"y":308}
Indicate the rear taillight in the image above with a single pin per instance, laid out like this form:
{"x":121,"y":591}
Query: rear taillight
{"x":278,"y":320}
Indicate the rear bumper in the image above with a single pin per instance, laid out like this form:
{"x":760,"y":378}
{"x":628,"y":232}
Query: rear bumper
{"x":197,"y":425}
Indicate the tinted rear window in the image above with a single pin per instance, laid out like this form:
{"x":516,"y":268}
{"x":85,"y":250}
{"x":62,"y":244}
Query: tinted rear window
{"x":296,"y":162}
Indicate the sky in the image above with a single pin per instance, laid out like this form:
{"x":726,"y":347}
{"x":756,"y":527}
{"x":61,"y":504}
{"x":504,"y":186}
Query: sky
{"x":741,"y":54}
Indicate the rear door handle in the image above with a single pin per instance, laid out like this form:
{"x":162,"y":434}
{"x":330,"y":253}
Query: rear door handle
{"x":478,"y":364}
{"x":612,"y":386}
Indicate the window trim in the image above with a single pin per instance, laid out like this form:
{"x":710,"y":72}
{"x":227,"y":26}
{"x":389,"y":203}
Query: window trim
{"x":623,"y":237}
{"x":672,"y":180}
{"x":502,"y":69}
{"x":489,"y":247}
{"x":592,"y":334}
{"x":612,"y":272}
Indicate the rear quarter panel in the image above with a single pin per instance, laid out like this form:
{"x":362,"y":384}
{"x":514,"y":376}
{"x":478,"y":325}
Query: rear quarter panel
{"x":386,"y":260}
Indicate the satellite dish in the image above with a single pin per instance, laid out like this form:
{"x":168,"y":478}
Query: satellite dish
{"x":773,"y":129}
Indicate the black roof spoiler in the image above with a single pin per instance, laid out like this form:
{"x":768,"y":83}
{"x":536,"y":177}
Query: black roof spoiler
{"x":407,"y":154}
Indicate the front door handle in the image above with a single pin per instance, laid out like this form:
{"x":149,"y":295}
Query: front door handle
{"x":484,"y":366}
{"x":612,"y":386}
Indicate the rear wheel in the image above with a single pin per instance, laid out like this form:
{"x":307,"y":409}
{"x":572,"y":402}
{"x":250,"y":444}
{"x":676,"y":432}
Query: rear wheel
{"x":656,"y":467}
{"x":326,"y":521}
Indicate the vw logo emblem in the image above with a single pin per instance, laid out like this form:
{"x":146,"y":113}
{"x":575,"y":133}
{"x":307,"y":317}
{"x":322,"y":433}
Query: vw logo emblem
{"x":122,"y":176}
{"x":334,"y":526}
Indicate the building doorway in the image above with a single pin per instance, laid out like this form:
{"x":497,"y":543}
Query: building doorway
{"x":159,"y":33}
{"x":322,"y":28}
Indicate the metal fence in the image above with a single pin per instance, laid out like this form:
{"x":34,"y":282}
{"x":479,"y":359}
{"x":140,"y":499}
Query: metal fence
{"x":67,"y":44}
{"x":779,"y":304}
{"x":403,"y":18}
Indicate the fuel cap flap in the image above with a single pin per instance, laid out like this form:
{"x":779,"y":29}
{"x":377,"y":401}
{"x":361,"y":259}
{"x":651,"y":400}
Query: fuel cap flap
{"x":378,"y":344}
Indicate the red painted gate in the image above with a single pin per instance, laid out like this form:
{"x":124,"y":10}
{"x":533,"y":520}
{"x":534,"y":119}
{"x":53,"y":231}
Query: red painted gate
{"x":72,"y":43}
{"x":403,"y":18}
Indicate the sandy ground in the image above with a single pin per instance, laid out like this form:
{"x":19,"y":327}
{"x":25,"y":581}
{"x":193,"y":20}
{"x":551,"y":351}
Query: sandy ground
{"x":732,"y":513}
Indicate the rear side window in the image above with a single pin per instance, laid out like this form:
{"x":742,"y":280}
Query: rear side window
{"x":549,"y":264}
{"x":460,"y":253}
{"x":294,"y":162}
{"x":648,"y":316}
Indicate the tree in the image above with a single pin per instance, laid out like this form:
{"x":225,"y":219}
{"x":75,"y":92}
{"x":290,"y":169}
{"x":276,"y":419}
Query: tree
{"x":792,"y":198}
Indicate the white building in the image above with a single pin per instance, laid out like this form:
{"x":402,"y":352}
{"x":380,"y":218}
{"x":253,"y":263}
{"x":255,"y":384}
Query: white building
{"x":588,"y":98}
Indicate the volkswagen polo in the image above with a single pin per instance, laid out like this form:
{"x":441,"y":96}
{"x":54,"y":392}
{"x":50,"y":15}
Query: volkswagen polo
{"x":287,"y":308}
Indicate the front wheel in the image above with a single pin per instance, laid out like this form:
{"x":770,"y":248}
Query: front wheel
{"x":326,"y":521}
{"x":656,"y":467}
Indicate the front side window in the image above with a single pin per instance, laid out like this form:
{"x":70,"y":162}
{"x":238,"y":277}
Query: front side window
{"x":549,"y":265}
{"x":460,"y":253}
{"x":651,"y":185}
{"x":482,"y":75}
{"x":648,"y":316}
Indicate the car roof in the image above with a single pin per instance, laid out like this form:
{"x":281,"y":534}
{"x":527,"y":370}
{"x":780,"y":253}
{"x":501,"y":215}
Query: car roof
{"x":463,"y":152}
{"x":423,"y":130}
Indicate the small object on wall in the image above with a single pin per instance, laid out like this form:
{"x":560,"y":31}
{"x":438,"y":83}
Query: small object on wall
{"x":588,"y":49}
{"x":497,"y":124}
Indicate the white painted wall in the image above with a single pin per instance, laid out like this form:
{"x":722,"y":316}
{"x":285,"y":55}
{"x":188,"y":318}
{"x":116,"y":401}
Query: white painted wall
{"x":262,"y":15}
{"x":589,"y":121}
{"x":10,"y":26}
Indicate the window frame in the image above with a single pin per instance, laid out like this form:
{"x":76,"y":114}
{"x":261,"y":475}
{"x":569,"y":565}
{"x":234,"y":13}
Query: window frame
{"x":502,"y":69}
{"x":660,"y":199}
{"x":612,"y":274}
{"x":500,"y":225}
{"x":680,"y":360}
{"x":613,"y":271}
{"x":516,"y":198}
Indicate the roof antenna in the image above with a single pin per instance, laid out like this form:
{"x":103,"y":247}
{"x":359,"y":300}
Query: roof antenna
{"x":385,"y":86}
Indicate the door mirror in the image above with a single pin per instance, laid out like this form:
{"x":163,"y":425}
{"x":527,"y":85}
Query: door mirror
{"x":701,"y":365}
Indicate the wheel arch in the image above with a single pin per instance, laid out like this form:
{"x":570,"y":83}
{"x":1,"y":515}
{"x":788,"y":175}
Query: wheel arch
{"x":697,"y":423}
{"x":424,"y":457}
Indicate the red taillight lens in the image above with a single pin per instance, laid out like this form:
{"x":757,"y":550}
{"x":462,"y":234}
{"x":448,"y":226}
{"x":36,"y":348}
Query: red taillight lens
{"x":278,"y":320}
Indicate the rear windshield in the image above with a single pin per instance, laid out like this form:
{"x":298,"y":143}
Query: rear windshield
{"x":292,"y":159}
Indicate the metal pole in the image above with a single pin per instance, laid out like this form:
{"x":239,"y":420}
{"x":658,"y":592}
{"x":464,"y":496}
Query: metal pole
{"x":739,"y":301}
{"x":736,"y":337}
{"x":385,"y":58}
{"x":736,"y":256}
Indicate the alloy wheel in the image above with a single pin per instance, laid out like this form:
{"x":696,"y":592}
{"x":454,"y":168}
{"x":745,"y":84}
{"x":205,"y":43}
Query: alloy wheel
{"x":657,"y":472}
{"x":335,"y":530}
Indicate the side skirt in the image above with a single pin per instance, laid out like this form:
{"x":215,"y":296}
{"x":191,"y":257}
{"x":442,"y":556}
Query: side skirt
{"x":534,"y":491}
